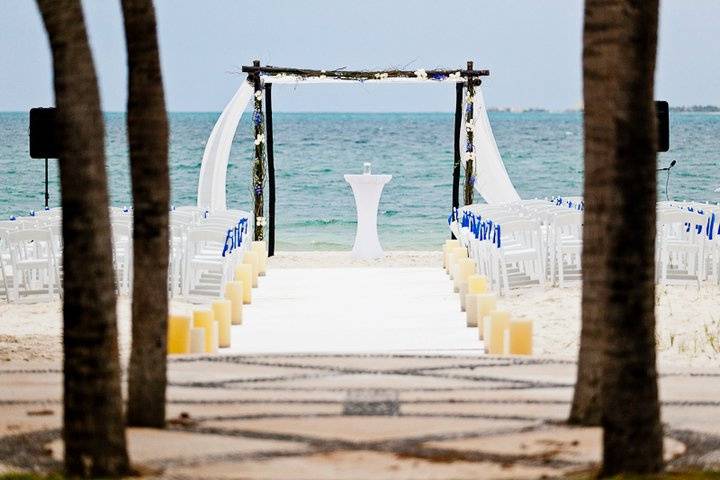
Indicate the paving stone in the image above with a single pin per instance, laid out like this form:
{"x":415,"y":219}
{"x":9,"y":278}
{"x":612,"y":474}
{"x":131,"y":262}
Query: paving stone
{"x":205,"y":371}
{"x":148,"y":446}
{"x":364,"y":428}
{"x":355,"y":465}
{"x":197,"y":411}
{"x":16,"y":419}
{"x":552,"y":412}
{"x":689,"y":388}
{"x":30,"y":386}
{"x":582,"y":446}
{"x":375,"y":362}
{"x":698,"y":419}
{"x":240,"y":394}
{"x":496,"y":395}
{"x":553,"y":373}
{"x":377,"y":381}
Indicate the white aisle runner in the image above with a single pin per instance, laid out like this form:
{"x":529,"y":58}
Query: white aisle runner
{"x":354,"y":310}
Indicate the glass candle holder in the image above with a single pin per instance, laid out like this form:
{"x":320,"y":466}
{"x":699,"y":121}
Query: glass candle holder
{"x":367,"y":168}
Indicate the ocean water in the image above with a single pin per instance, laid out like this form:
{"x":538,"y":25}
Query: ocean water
{"x":315,"y":206}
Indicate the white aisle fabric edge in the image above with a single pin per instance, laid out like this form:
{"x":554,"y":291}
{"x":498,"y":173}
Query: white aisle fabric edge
{"x":492,"y":180}
{"x":367,"y":190}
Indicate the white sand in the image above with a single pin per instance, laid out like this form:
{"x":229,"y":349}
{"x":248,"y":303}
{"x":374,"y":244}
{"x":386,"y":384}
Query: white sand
{"x":326,"y":302}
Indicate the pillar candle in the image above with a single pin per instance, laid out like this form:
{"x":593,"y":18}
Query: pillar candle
{"x":251,"y":258}
{"x":451,"y":256}
{"x":477,"y":283}
{"x":243,"y":273}
{"x":462,"y":291}
{"x":214,"y":335}
{"x":486,"y":303}
{"x":471,"y":309}
{"x":521,"y":332}
{"x":460,"y":253}
{"x":260,"y":248}
{"x":178,"y":340}
{"x":446,"y":250}
{"x":197,"y":340}
{"x":495,"y":339}
{"x":222,"y":310}
{"x":234,"y":293}
{"x":465,"y":267}
{"x":205,"y":319}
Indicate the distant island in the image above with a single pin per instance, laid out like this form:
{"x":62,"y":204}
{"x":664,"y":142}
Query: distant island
{"x":516,"y":109}
{"x":696,"y":108}
{"x":676,"y":109}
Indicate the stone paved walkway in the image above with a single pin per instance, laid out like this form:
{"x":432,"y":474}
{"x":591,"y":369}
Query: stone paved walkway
{"x":380,"y":416}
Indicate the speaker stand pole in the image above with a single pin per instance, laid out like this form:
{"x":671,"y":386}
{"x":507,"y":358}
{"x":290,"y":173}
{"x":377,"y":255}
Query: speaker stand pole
{"x":47,"y":195}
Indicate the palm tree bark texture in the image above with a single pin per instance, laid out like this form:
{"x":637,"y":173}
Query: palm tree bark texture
{"x":617,"y":376}
{"x":93,"y":421}
{"x":147,"y":125}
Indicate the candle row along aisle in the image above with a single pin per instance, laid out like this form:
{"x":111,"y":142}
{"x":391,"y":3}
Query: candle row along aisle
{"x":500,"y":332}
{"x":209,"y":328}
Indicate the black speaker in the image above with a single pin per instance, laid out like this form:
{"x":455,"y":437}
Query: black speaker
{"x":43,"y":140}
{"x":662,"y":110}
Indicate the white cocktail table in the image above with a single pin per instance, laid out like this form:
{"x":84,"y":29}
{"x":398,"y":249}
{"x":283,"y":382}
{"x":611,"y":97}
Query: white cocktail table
{"x":367,"y":190}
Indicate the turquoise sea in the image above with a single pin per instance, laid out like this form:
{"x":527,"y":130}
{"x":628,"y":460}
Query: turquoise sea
{"x":542,"y":153}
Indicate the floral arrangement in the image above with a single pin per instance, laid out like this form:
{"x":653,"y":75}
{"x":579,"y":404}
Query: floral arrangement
{"x":258,"y":184}
{"x":469,"y":144}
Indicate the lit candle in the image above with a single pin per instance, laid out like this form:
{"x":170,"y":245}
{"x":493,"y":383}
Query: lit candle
{"x":234,"y":293}
{"x":471,"y":309}
{"x":495,"y":340}
{"x":222,"y":313}
{"x":477,"y":283}
{"x":521,"y":333}
{"x":197,"y":340}
{"x":465,"y":268}
{"x":261,"y":250}
{"x":446,"y":250}
{"x":243,"y":273}
{"x":463,"y":295}
{"x":205,"y":319}
{"x":460,"y":253}
{"x":178,"y":334}
{"x":214,"y":335}
{"x":251,"y":258}
{"x":486,"y":303}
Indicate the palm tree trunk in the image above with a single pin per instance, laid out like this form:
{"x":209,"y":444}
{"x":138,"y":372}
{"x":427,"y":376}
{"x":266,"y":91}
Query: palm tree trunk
{"x":148,"y":137}
{"x":620,"y":41}
{"x":94,"y":427}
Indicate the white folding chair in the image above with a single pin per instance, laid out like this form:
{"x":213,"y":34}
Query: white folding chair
{"x":33,"y":262}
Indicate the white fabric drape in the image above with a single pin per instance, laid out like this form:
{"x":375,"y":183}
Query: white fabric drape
{"x":492,"y":180}
{"x":213,"y":171}
{"x":491,"y":177}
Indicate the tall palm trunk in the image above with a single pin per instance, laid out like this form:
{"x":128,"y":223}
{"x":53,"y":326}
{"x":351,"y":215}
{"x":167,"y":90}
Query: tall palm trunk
{"x":93,"y":423}
{"x":620,"y":41}
{"x":148,"y":137}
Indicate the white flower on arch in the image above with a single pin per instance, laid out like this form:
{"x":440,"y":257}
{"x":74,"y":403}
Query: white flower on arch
{"x":259,"y":139}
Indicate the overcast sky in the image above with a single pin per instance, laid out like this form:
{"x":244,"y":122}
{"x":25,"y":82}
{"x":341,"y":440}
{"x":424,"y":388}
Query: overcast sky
{"x":532,"y":48}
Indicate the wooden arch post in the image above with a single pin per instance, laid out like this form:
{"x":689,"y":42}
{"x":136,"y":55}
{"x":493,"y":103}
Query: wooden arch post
{"x":259,"y":163}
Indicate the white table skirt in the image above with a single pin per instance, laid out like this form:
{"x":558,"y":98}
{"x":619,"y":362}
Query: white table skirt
{"x":367,"y":190}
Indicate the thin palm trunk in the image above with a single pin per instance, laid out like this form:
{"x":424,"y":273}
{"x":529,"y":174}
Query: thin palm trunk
{"x":93,"y":423}
{"x":620,"y":40}
{"x":148,"y":137}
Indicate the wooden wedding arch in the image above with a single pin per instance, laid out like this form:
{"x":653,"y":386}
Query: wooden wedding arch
{"x":258,"y":89}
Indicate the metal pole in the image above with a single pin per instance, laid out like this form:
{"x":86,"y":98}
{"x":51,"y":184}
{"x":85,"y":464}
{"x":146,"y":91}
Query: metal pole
{"x":47,"y":194}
